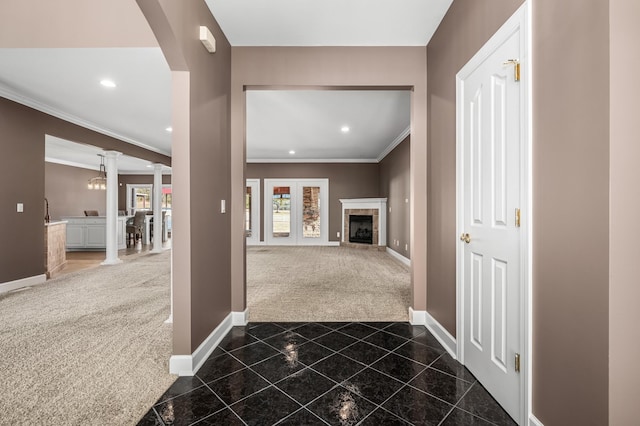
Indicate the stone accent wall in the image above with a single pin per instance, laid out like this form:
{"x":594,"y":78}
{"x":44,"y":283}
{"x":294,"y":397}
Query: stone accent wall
{"x":376,"y":224}
{"x":55,"y":247}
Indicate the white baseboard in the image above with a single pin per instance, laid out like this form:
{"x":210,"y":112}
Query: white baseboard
{"x":444,"y":337}
{"x":24,"y":282}
{"x":533,"y":421}
{"x":333,"y":243}
{"x":434,"y":327}
{"x":399,"y":257}
{"x":188,"y":365}
{"x":240,"y":318}
{"x":417,"y":317}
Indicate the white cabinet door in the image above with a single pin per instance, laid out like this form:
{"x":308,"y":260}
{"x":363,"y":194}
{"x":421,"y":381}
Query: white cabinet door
{"x":75,"y":235}
{"x":96,"y":236}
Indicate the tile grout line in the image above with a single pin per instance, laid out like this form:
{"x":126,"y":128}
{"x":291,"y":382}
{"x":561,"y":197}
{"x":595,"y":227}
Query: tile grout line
{"x":332,"y":352}
{"x":227,"y":406}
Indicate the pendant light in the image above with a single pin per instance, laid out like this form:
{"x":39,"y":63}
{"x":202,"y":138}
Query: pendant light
{"x":100,"y":181}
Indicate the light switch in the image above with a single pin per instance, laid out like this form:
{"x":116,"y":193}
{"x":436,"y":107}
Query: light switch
{"x":338,"y":234}
{"x":20,"y":207}
{"x":223,"y":206}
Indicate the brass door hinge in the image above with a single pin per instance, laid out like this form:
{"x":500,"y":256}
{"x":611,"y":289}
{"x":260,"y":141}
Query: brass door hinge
{"x":517,"y":363}
{"x":516,"y":68}
{"x":517,"y":218}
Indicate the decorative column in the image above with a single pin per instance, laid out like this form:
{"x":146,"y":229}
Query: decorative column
{"x":157,"y":208}
{"x":112,"y":208}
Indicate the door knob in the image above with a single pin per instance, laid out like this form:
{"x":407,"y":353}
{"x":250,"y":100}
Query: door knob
{"x":465,"y":237}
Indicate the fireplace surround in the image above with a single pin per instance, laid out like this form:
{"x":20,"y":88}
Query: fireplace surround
{"x":376,"y":208}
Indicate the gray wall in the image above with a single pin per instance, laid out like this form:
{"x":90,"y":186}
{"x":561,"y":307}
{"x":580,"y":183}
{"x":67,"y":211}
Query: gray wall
{"x":624,"y":291}
{"x":394,"y":171}
{"x":66,"y":189}
{"x":345,"y":181}
{"x":201,"y":167}
{"x":571,"y":174}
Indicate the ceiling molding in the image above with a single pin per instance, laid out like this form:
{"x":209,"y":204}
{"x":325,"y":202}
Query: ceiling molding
{"x":165,"y":171}
{"x":71,"y":163}
{"x":406,"y":132}
{"x":10,"y":94}
{"x":312,"y":160}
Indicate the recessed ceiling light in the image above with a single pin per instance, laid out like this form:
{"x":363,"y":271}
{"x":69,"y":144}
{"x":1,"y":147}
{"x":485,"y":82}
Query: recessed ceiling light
{"x":292,"y":152}
{"x":169,"y":129}
{"x":108,"y":83}
{"x":344,"y":129}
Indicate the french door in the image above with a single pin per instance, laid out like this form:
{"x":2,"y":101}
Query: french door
{"x":296,"y":211}
{"x":252,"y":211}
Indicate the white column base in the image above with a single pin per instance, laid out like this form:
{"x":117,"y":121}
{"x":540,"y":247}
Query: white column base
{"x":115,"y":261}
{"x":169,"y":320}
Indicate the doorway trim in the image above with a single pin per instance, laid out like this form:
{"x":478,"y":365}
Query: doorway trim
{"x":254,"y":240}
{"x":521,"y":19}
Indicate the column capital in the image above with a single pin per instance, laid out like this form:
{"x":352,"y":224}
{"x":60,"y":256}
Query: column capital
{"x":112,"y":154}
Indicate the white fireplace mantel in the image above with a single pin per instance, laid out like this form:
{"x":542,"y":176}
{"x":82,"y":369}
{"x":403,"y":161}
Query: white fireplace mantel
{"x":379,"y":204}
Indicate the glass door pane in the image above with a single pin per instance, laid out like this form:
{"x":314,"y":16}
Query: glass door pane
{"x":247,"y":213}
{"x":311,"y":212}
{"x":281,"y":211}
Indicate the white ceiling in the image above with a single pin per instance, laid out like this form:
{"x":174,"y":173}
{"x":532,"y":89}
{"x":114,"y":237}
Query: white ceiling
{"x":74,"y":154}
{"x":329,"y":22}
{"x":310,"y":122}
{"x":65,"y":82}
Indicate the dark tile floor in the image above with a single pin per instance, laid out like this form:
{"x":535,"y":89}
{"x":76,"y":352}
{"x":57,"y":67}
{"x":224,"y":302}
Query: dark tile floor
{"x":328,"y":374}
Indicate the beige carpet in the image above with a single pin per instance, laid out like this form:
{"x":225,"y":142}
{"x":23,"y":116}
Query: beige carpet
{"x":325,"y":284}
{"x":88,"y":348}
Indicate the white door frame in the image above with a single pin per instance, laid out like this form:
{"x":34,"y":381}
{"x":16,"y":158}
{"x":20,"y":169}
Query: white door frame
{"x":323,"y":183}
{"x":522,"y":20}
{"x":255,"y":211}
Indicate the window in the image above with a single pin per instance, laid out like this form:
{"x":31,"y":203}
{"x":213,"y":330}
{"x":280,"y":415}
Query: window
{"x":166,"y":197}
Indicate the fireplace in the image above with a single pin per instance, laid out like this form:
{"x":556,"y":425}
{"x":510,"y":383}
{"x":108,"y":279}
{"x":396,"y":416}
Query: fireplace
{"x":364,"y":223}
{"x":361,"y":229}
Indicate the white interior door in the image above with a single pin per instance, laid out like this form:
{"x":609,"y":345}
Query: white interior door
{"x":296,"y":211}
{"x":490,"y":141}
{"x":252,"y":212}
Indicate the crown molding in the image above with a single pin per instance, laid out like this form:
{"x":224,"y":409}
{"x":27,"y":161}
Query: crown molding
{"x":8,"y":93}
{"x":406,"y":132}
{"x":312,"y":160}
{"x":70,"y":163}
